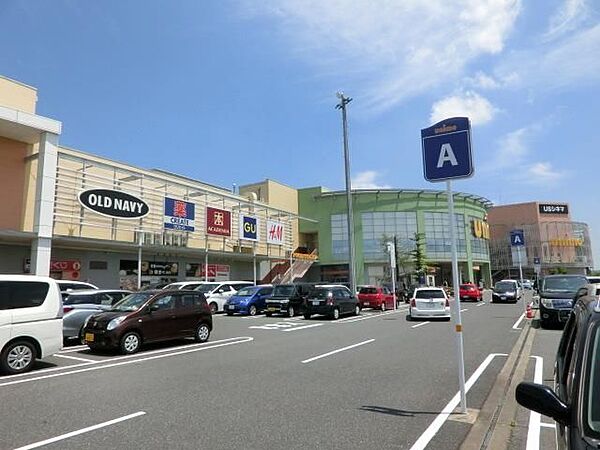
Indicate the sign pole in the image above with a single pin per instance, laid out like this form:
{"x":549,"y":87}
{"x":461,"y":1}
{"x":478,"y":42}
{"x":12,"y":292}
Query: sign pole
{"x":139,"y":277}
{"x":456,"y":290}
{"x":521,"y":275}
{"x":392,"y":250}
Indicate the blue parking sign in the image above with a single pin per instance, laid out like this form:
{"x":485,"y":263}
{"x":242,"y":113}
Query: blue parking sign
{"x":447,"y":150}
{"x":517,"y":238}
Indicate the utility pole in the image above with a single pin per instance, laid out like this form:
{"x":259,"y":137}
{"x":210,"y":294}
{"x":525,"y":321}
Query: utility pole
{"x":351,"y":266}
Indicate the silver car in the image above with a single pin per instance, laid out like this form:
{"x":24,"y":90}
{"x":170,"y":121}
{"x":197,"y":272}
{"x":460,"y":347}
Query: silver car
{"x":82,"y":304}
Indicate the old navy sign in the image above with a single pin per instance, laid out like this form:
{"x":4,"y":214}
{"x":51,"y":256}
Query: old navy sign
{"x":179,"y":215}
{"x":249,"y":227}
{"x":275,"y":232}
{"x":115,"y":204}
{"x":447,"y":150}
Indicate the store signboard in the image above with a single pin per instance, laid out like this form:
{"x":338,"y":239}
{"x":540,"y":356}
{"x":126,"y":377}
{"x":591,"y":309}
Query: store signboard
{"x":275,"y":232}
{"x":218,"y":222}
{"x":216,"y":272}
{"x":179,"y":215}
{"x":249,"y":226}
{"x":114,"y":204}
{"x":553,"y":208}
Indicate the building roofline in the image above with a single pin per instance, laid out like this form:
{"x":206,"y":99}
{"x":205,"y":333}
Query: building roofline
{"x":4,"y":77}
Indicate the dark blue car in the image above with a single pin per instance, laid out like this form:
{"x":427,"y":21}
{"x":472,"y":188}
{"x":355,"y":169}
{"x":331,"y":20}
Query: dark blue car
{"x":249,"y":300}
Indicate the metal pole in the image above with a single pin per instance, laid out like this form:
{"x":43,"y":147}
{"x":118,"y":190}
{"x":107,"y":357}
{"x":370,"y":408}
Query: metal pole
{"x":521,"y":275}
{"x":456,"y":290}
{"x":206,"y":265}
{"x":139,"y":277}
{"x":393,"y":271}
{"x":291,"y":263}
{"x":254,"y":262}
{"x":352,"y":257}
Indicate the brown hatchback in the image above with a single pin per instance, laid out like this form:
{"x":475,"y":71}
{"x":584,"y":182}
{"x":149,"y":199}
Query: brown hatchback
{"x":149,"y":316}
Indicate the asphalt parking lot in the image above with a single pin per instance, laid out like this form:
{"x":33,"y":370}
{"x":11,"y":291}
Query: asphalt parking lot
{"x":372,"y":381}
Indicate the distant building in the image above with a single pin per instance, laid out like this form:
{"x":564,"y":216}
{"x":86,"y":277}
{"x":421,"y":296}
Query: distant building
{"x":551,"y":237}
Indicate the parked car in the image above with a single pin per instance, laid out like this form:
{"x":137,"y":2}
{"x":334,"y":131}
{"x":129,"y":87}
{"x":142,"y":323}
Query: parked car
{"x":593,"y":279}
{"x":332,"y":301}
{"x":376,"y":297}
{"x":527,"y":285}
{"x":218,"y":293}
{"x":506,"y":291}
{"x":429,"y":303}
{"x":556,"y":297}
{"x":149,"y":316}
{"x":30,"y":321}
{"x":575,"y":402}
{"x":68,"y":286}
{"x":82,"y":304}
{"x":470,"y":291}
{"x":288,"y":299}
{"x":190,"y":285}
{"x":153,"y":286}
{"x":249,"y":300}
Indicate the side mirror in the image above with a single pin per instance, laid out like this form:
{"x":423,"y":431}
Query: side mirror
{"x":541,"y":399}
{"x":153,"y":308}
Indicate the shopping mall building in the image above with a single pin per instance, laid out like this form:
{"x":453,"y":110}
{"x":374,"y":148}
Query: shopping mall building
{"x":553,"y":241}
{"x":75,"y":215}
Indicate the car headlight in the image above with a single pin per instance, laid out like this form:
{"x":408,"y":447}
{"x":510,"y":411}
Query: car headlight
{"x":115,"y":323}
{"x":547,"y":302}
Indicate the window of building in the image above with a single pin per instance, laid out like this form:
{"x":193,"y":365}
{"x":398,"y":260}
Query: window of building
{"x":339,"y":236}
{"x":437,"y":235}
{"x":379,"y":227}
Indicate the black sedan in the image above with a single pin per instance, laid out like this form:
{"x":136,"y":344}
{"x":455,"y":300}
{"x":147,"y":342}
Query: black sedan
{"x":505,"y":292}
{"x":332,"y":301}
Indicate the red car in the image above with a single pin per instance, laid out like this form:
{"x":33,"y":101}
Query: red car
{"x":469,"y":291}
{"x":376,"y":297}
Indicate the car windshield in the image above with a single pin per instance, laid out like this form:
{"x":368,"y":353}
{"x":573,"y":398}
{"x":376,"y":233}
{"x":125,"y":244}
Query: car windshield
{"x":283,"y":291}
{"x":368,"y":290}
{"x":504,"y":286}
{"x":430,"y":293}
{"x":206,"y":287}
{"x":75,"y":299}
{"x":319,"y":293}
{"x":563,"y":284}
{"x":593,"y":402}
{"x":246,"y":292}
{"x":132,"y":302}
{"x":467,"y":287}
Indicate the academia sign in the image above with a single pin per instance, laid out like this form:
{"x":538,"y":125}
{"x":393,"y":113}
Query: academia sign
{"x":218,"y":222}
{"x":249,"y":226}
{"x":114,"y":204}
{"x":179,"y":215}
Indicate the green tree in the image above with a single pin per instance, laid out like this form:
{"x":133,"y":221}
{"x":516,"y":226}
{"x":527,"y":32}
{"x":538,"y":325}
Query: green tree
{"x":418,"y":254}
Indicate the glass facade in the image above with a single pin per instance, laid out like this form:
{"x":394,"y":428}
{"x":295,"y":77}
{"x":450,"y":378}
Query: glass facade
{"x":437,"y":235}
{"x":379,"y":227}
{"x":480,"y":248}
{"x":339,"y":236}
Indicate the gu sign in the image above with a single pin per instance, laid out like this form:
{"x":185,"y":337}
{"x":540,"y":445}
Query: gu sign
{"x":275,"y":232}
{"x":249,"y":226}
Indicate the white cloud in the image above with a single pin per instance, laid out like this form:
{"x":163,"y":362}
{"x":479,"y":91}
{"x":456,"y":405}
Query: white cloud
{"x":512,"y":148}
{"x":567,"y":17}
{"x":386,"y":51}
{"x":543,"y":173}
{"x":482,"y":80}
{"x":369,"y":179}
{"x":469,"y":104}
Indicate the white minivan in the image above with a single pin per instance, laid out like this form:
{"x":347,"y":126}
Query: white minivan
{"x":30,"y":321}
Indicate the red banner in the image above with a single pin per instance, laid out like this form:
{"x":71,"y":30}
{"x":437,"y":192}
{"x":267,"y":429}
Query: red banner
{"x":218,"y":222}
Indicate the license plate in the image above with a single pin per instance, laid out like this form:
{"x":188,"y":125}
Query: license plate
{"x":271,"y":308}
{"x":563,"y":316}
{"x":366,"y":303}
{"x":316,"y":302}
{"x":231,"y":307}
{"x":89,"y":337}
{"x":503,"y":298}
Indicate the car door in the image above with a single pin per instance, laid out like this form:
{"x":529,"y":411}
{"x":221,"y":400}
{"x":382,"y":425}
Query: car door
{"x":187,"y":311}
{"x":160,"y":320}
{"x":388,"y":298}
{"x":341,"y":299}
{"x":5,"y":314}
{"x":221,"y":295}
{"x":261,"y":298}
{"x":564,"y":363}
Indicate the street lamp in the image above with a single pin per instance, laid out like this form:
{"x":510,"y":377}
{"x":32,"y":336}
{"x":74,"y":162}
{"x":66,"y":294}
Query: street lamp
{"x":351,"y":272}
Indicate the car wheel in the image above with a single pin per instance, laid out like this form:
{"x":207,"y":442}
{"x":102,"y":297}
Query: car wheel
{"x":202,"y":333}
{"x":335,"y":315}
{"x":291,"y":311}
{"x":17,"y":357}
{"x":130,"y":343}
{"x":213,"y":308}
{"x":382,"y":306}
{"x":229,"y":313}
{"x":307,"y":316}
{"x":252,"y":310}
{"x":268,"y":314}
{"x":82,"y":337}
{"x":356,"y":310}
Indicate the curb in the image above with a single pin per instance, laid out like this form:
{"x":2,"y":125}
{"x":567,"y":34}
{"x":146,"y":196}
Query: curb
{"x":494,"y":424}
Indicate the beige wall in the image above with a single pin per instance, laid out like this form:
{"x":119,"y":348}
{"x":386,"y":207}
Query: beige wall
{"x":17,"y":95}
{"x":12,"y":182}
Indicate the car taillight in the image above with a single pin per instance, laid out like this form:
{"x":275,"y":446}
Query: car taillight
{"x":413,"y":303}
{"x":66,"y":309}
{"x":329,"y":301}
{"x":447,"y":303}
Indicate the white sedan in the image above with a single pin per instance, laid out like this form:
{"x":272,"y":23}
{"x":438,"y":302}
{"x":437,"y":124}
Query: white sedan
{"x":429,"y":303}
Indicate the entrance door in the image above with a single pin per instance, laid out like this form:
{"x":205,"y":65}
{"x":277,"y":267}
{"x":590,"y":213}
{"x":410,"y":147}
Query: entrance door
{"x":430,"y":280}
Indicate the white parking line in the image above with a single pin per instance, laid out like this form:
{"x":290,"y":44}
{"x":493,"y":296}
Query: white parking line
{"x":97,"y":365}
{"x":304,"y":327}
{"x":547,"y":425}
{"x":420,"y":324}
{"x":516,"y":325}
{"x":369,"y":316}
{"x":74,"y":349}
{"x":535,"y":419}
{"x":481,"y":304}
{"x":82,"y":431}
{"x":435,"y":426}
{"x":324,"y":355}
{"x":464,"y":310}
{"x":74,"y":358}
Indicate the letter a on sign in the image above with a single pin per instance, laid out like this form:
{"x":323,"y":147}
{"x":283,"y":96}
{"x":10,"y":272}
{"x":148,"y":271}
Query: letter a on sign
{"x":446,"y":155}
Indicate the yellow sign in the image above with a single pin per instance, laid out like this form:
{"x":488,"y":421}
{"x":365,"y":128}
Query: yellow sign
{"x":567,"y":242}
{"x":306,"y":256}
{"x":481,"y":229}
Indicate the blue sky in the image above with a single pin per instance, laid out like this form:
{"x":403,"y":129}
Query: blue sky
{"x":236,"y":91}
